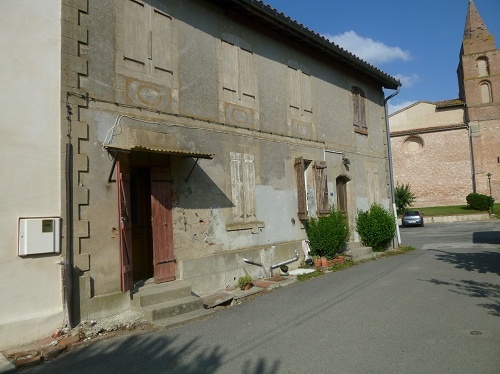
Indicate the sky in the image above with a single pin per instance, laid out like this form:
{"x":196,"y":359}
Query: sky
{"x":417,"y":42}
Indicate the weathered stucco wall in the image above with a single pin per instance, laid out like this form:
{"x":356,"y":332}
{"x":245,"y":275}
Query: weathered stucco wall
{"x":184,"y":106}
{"x":31,"y":298}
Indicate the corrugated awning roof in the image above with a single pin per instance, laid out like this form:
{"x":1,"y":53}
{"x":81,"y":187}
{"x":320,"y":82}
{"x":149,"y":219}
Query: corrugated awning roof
{"x":170,"y":151}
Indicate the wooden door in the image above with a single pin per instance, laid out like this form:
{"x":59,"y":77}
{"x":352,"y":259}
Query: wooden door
{"x":125,"y":223}
{"x":161,"y":224}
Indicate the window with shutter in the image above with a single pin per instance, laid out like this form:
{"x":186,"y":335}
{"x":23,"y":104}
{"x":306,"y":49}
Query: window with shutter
{"x":358,"y":103}
{"x":299,"y":91}
{"x":238,"y":75}
{"x":148,"y":38}
{"x":312,"y":188}
{"x":243,"y":186}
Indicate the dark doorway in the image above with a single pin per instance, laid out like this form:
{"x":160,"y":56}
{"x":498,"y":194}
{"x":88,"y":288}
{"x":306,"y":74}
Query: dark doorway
{"x":140,"y":199}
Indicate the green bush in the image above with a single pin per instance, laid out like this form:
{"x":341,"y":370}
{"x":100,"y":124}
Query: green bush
{"x":327,"y":235}
{"x":376,"y":227}
{"x":479,"y":201}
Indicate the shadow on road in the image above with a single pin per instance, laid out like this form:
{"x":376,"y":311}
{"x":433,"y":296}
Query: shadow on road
{"x":483,"y":290}
{"x":148,"y":353}
{"x":486,"y":237}
{"x":482,"y":262}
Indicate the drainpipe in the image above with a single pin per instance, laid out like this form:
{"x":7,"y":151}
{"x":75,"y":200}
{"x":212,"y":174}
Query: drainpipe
{"x":389,"y":157}
{"x":68,"y":263}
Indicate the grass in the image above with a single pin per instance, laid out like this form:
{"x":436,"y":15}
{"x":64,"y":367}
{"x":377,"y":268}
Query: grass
{"x":399,"y":251}
{"x":453,"y":210}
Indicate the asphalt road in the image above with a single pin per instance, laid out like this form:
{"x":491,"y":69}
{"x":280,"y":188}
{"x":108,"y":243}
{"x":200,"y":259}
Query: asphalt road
{"x":433,"y":310}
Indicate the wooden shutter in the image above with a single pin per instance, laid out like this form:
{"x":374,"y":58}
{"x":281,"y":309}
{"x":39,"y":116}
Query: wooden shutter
{"x":306,"y":93}
{"x":362,"y":116}
{"x":301,"y":187}
{"x":249,"y":186}
{"x":355,"y":104}
{"x":320,"y":171}
{"x":246,"y":73}
{"x":230,"y":66}
{"x":125,"y":223}
{"x":161,"y":223}
{"x":136,"y":24}
{"x":294,"y":88}
{"x":161,"y":41}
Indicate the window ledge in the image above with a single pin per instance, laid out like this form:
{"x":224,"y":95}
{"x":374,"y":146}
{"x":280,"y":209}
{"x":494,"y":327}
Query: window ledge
{"x":361,"y":131}
{"x":254,"y":226}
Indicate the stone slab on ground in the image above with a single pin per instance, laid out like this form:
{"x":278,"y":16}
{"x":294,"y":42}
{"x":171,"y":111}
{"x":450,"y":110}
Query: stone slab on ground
{"x":218,"y":298}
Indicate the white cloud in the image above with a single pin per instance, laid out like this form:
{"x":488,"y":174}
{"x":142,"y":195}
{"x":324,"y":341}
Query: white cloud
{"x":408,"y":80}
{"x":395,"y":107}
{"x":367,"y":48}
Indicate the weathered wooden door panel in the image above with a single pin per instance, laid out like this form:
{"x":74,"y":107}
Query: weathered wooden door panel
{"x":125,"y":223}
{"x":161,"y":223}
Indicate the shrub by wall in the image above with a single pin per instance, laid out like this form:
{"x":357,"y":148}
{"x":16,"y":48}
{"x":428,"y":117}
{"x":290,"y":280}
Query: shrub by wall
{"x":376,"y":227}
{"x":479,"y":201}
{"x":327,"y":235}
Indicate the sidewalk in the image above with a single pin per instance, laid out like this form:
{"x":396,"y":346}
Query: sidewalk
{"x":50,"y":347}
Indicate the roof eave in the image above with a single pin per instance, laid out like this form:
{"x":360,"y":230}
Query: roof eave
{"x":292,"y":28}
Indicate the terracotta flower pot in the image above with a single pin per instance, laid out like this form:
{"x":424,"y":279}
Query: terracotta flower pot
{"x":324,"y":262}
{"x":317,"y":262}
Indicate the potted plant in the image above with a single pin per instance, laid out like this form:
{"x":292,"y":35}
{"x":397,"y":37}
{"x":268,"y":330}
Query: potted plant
{"x":245,"y":282}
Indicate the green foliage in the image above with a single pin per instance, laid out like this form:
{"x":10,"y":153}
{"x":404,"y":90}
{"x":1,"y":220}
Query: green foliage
{"x":479,"y":201}
{"x":328,"y":235}
{"x":404,"y":197}
{"x":243,"y":281}
{"x":376,"y":227}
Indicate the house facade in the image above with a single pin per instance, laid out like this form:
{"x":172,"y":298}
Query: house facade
{"x":191,"y":136}
{"x":448,"y":149}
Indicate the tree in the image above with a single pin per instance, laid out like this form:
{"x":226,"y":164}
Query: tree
{"x":404,"y":197}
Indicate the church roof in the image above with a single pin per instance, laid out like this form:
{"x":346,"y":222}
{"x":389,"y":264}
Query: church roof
{"x":449,"y":103}
{"x":474,"y":24}
{"x":476,"y":34}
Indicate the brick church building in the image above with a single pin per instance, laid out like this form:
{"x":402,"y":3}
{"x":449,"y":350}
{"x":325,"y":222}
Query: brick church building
{"x":447,"y":149}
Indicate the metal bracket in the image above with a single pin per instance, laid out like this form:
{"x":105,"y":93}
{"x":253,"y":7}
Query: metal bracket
{"x":192,"y":169}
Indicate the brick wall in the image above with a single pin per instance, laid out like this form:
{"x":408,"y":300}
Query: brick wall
{"x":436,"y":165}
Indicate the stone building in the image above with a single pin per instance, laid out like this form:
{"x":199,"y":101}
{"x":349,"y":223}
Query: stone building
{"x":446,"y":150}
{"x":170,"y":142}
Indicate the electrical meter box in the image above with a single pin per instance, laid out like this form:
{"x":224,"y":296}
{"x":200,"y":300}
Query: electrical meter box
{"x":39,"y":236}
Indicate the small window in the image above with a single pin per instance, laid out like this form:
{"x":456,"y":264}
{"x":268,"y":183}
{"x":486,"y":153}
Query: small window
{"x":485,"y":93}
{"x":482,"y":67}
{"x":359,"y":118}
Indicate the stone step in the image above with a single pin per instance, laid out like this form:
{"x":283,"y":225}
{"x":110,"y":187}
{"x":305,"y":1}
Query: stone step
{"x":183,"y":319}
{"x":158,"y":293}
{"x":359,"y":251}
{"x":368,"y":256}
{"x":172,"y":308}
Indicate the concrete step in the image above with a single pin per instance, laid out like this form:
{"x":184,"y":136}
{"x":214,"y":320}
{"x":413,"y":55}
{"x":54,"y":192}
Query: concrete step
{"x":359,"y":251}
{"x":367,"y":256}
{"x":159,"y":293}
{"x":172,"y":308}
{"x":184,"y":318}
